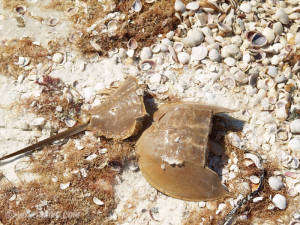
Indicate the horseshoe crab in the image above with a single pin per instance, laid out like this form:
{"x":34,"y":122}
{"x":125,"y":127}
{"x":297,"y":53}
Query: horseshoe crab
{"x":173,"y":152}
{"x":119,"y":117}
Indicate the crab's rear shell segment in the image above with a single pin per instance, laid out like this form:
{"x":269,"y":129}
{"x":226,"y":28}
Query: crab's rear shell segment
{"x":120,"y":116}
{"x":173,"y":151}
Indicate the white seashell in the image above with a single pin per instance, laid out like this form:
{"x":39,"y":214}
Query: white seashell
{"x":97,"y":201}
{"x":279,"y":201}
{"x":163,"y":47}
{"x":202,"y":19}
{"x":294,"y":16}
{"x":150,"y":1}
{"x":272,"y":71}
{"x":207,"y":31}
{"x":258,"y":40}
{"x":297,"y":187}
{"x":278,"y":28}
{"x":21,"y":9}
{"x":282,"y":16}
{"x":275,"y":183}
{"x":269,"y":34}
{"x":166,"y":41}
{"x":246,"y":7}
{"x":224,"y":28}
{"x":91,"y":157}
{"x":214,"y":55}
{"x":229,"y":61}
{"x":147,"y":65}
{"x":257,"y":199}
{"x":201,"y":204}
{"x":221,"y":207}
{"x":146,"y":53}
{"x":183,"y":57}
{"x":254,"y":179}
{"x":281,"y":113}
{"x":112,"y":26}
{"x":23,"y":61}
{"x":132,"y":44}
{"x":58,"y":57}
{"x":170,"y":35}
{"x":155,"y":48}
{"x":155,"y":78}
{"x":199,"y":53}
{"x":275,"y":60}
{"x":137,"y":6}
{"x":173,"y":53}
{"x":64,"y":186}
{"x":179,"y":6}
{"x":39,"y":121}
{"x":52,"y":21}
{"x":194,"y":37}
{"x":297,"y":38}
{"x":193,"y":5}
{"x":178,"y":46}
{"x":294,"y":144}
{"x":70,"y":122}
{"x":230,"y":51}
{"x":254,"y":158}
{"x":295,"y":126}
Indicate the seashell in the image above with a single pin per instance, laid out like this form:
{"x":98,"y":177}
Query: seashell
{"x":294,"y":144}
{"x":179,"y":6}
{"x":170,"y":35}
{"x":224,"y":29}
{"x":70,"y":122}
{"x":150,"y":1}
{"x":275,"y":183}
{"x":269,"y":34}
{"x":147,"y":64}
{"x":199,"y":53}
{"x":207,"y":31}
{"x":229,"y":61}
{"x":155,"y":48}
{"x":112,"y":26}
{"x":278,"y":28}
{"x":52,"y":21}
{"x":202,"y":19}
{"x":132,"y":44}
{"x":163,"y":47}
{"x":58,"y":57}
{"x":185,"y":175}
{"x":21,"y":9}
{"x":194,"y":5}
{"x":211,"y":5}
{"x":296,"y":67}
{"x":294,"y":16}
{"x":97,"y":201}
{"x":173,"y":53}
{"x":72,"y":11}
{"x":146,"y":53}
{"x":178,"y":46}
{"x":282,"y":16}
{"x":130,"y":53}
{"x":231,"y":50}
{"x":297,"y":38}
{"x":183,"y":57}
{"x":23,"y":61}
{"x":279,"y":201}
{"x":255,"y":159}
{"x":64,"y":186}
{"x":214,"y":55}
{"x":194,"y":37}
{"x":258,"y":40}
{"x":137,"y":6}
{"x":246,"y":7}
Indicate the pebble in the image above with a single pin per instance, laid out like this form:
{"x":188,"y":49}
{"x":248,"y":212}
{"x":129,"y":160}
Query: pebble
{"x":58,"y":58}
{"x":275,"y":183}
{"x":279,"y":201}
{"x":294,"y":144}
{"x":179,"y":6}
{"x":97,"y":201}
{"x":230,"y":61}
{"x":278,"y":28}
{"x":295,"y":126}
{"x":272,"y":71}
{"x":214,"y":55}
{"x":282,"y":16}
{"x":246,"y":7}
{"x":199,"y":52}
{"x":183,"y":57}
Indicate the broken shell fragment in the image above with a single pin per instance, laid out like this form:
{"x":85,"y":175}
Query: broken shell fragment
{"x":172,"y":152}
{"x":103,"y":118}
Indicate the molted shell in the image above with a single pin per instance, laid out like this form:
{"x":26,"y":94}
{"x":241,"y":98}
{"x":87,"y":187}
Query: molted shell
{"x":120,"y":116}
{"x":173,"y":151}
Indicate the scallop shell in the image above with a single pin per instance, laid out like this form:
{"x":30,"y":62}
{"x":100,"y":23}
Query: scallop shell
{"x":173,"y":151}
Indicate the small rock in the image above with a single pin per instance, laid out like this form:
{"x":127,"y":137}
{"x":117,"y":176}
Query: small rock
{"x":230,"y":61}
{"x":214,"y":55}
{"x":97,"y":201}
{"x":295,"y":126}
{"x":278,"y":28}
{"x":279,"y":201}
{"x":282,"y":16}
{"x":294,"y":144}
{"x":275,"y":183}
{"x":183,"y":57}
{"x":246,"y":7}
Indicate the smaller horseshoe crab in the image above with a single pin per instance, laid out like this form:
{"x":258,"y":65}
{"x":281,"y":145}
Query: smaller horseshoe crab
{"x":173,"y":152}
{"x":119,"y":117}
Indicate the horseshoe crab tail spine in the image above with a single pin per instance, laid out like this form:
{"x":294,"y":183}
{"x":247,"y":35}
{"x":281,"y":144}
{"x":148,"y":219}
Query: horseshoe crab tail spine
{"x":67,"y":133}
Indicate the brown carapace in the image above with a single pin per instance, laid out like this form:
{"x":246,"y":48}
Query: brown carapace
{"x":173,"y":152}
{"x":119,"y":117}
